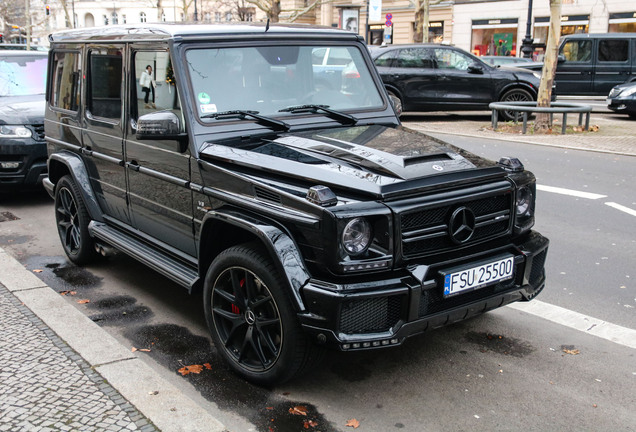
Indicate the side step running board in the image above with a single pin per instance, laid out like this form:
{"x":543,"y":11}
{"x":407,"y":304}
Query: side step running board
{"x":165,"y":264}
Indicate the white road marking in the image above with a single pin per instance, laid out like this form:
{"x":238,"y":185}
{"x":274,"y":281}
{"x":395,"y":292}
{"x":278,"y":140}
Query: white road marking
{"x":570,"y":192}
{"x":621,"y":208}
{"x":577,"y":321}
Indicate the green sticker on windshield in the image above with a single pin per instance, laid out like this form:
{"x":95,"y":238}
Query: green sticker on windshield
{"x":204,"y":98}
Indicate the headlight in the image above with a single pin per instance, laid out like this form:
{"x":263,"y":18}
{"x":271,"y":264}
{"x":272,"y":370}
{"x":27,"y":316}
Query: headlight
{"x":630,"y":91}
{"x":14,"y":132}
{"x":356,"y":236}
{"x":525,"y":202}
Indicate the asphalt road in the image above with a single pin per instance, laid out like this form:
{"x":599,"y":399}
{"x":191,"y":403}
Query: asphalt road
{"x":505,"y":370}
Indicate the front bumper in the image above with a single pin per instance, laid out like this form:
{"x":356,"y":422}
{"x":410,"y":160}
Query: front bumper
{"x":622,"y":106}
{"x":385,"y":312}
{"x":22,"y":163}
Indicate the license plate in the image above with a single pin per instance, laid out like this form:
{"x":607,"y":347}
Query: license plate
{"x":609,"y":101}
{"x":457,"y":281}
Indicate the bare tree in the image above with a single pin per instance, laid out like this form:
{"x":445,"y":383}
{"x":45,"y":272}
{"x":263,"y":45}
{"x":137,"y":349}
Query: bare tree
{"x":422,"y":12}
{"x":542,"y":122}
{"x":273,"y":9}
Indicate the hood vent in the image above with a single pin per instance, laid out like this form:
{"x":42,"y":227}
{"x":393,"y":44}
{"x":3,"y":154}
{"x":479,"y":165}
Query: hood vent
{"x":266,"y":195}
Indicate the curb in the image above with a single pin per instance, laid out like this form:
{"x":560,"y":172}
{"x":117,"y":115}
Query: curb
{"x":161,"y":402}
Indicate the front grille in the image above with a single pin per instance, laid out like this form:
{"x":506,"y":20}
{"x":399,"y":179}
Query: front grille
{"x":39,"y":132}
{"x":426,"y":230}
{"x":370,"y":315}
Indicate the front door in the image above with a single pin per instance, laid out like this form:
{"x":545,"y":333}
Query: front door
{"x":574,"y":75}
{"x":413,"y":72}
{"x":158,"y":171}
{"x":462,"y":82}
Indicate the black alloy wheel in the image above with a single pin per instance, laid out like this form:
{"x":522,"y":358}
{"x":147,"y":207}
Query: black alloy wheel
{"x":72,"y":221}
{"x":251,"y":320}
{"x":514,"y":95}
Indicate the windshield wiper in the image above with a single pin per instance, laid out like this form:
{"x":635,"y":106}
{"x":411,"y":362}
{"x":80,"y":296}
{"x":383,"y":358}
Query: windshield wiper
{"x":241,"y":114}
{"x":336,"y":115}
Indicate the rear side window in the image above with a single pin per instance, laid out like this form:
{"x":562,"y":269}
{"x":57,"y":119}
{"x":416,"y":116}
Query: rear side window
{"x":105,"y":83}
{"x":415,"y":58}
{"x":66,"y":77}
{"x":385,"y":59}
{"x":577,"y":51}
{"x":613,"y":50}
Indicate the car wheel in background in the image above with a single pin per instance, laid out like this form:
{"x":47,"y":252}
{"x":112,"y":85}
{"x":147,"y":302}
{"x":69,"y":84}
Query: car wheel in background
{"x":514,"y":95}
{"x":396,"y":101}
{"x":72,"y":221}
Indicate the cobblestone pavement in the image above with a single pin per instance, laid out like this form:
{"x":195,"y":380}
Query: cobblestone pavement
{"x":46,"y":386}
{"x":616,"y":133}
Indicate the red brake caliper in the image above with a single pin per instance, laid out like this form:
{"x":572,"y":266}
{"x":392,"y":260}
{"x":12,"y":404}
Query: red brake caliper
{"x":235,"y":309}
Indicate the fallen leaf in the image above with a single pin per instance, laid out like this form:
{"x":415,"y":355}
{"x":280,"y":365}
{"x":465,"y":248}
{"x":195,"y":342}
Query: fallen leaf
{"x":144,"y":349}
{"x":133,"y":349}
{"x":594,"y":405}
{"x":298,"y":410}
{"x":195,"y":369}
{"x":208,"y":366}
{"x":67,"y":292}
{"x":152,"y":393}
{"x":310,"y":423}
{"x":571,"y":352}
{"x":269,"y":408}
{"x":84,"y":301}
{"x":37,"y":271}
{"x":353,"y":423}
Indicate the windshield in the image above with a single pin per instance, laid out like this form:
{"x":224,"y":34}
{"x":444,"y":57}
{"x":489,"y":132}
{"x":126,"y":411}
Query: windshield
{"x":268,"y":79}
{"x":22,"y":75}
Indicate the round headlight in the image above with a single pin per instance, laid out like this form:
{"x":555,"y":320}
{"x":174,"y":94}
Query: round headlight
{"x":356,"y":236}
{"x":524,"y":201}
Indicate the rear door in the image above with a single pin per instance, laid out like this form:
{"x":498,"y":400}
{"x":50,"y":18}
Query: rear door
{"x":158,"y":171}
{"x":574,"y":75}
{"x":613,"y":64}
{"x":104,"y":129}
{"x":413,"y":73}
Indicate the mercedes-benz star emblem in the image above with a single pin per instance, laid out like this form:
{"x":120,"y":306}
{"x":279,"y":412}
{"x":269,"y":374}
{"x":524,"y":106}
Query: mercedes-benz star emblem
{"x":462,"y":225}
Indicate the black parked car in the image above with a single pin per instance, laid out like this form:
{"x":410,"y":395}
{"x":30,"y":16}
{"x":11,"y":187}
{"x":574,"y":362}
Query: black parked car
{"x":22,"y":146}
{"x":434,"y":77}
{"x":292,"y":198}
{"x":622,"y":99}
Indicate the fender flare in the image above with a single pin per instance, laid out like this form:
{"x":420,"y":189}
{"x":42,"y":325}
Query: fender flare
{"x":279,"y":244}
{"x":78,"y":172}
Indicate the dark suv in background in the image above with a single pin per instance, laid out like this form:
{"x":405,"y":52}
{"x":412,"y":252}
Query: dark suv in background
{"x":22,"y":146}
{"x":292,"y":198}
{"x":435,"y":77}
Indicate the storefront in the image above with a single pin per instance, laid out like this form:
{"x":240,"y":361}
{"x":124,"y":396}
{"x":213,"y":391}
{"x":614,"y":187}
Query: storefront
{"x":495,"y":37}
{"x":624,"y":22}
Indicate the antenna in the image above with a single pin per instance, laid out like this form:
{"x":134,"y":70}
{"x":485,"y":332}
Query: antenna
{"x":267,"y":25}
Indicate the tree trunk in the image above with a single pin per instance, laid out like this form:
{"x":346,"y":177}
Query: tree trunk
{"x":274,"y":11}
{"x":544,"y":97}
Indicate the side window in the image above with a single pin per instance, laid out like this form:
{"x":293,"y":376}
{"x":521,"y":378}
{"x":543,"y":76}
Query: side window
{"x":66,"y":75}
{"x":417,"y":58}
{"x":613,"y":50}
{"x":577,"y":51}
{"x":385,"y":59}
{"x":451,"y":59}
{"x":105,"y":83}
{"x":155,"y":88}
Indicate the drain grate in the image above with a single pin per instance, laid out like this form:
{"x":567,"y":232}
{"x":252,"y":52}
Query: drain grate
{"x":8,"y":216}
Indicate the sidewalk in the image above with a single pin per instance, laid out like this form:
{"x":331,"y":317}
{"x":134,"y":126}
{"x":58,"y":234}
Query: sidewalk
{"x":61,"y":372}
{"x":616,"y":134}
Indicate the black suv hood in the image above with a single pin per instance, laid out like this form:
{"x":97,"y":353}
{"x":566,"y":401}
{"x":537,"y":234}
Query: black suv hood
{"x":22,"y":110}
{"x":376,"y":159}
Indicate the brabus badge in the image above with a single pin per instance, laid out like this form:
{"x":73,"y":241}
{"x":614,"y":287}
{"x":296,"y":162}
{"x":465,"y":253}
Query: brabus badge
{"x":438,"y":168}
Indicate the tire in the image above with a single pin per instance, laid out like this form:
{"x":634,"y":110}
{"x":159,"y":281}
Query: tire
{"x":251,"y":319}
{"x":396,"y":101}
{"x":72,"y":219}
{"x":514,"y":95}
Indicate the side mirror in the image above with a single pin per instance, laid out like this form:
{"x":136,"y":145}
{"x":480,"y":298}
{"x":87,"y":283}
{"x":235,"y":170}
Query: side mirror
{"x":475,"y":69}
{"x":560,"y":58}
{"x":161,"y":125}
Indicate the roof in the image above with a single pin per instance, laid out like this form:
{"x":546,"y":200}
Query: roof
{"x":22,"y":53}
{"x":164,"y":31}
{"x":601,"y":36}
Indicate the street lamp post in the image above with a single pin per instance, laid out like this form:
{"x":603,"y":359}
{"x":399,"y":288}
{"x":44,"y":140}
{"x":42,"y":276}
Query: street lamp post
{"x":196,"y":16}
{"x":526,"y":44}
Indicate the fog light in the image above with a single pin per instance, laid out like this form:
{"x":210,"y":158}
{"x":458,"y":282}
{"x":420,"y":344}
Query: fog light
{"x":346,"y":346}
{"x":10,"y":165}
{"x":385,"y":342}
{"x":356,"y":345}
{"x":394,"y":341}
{"x":376,"y":343}
{"x":366,"y":344}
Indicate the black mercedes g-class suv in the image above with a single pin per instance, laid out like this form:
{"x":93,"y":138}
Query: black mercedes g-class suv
{"x":307,"y":215}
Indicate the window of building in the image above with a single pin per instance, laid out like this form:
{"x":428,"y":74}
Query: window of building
{"x":217,"y":16}
{"x":495,"y":37}
{"x":228,"y":16}
{"x":142,"y":17}
{"x":105,"y":83}
{"x":123,"y":19}
{"x":163,"y":17}
{"x":105,"y":19}
{"x":207,"y":17}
